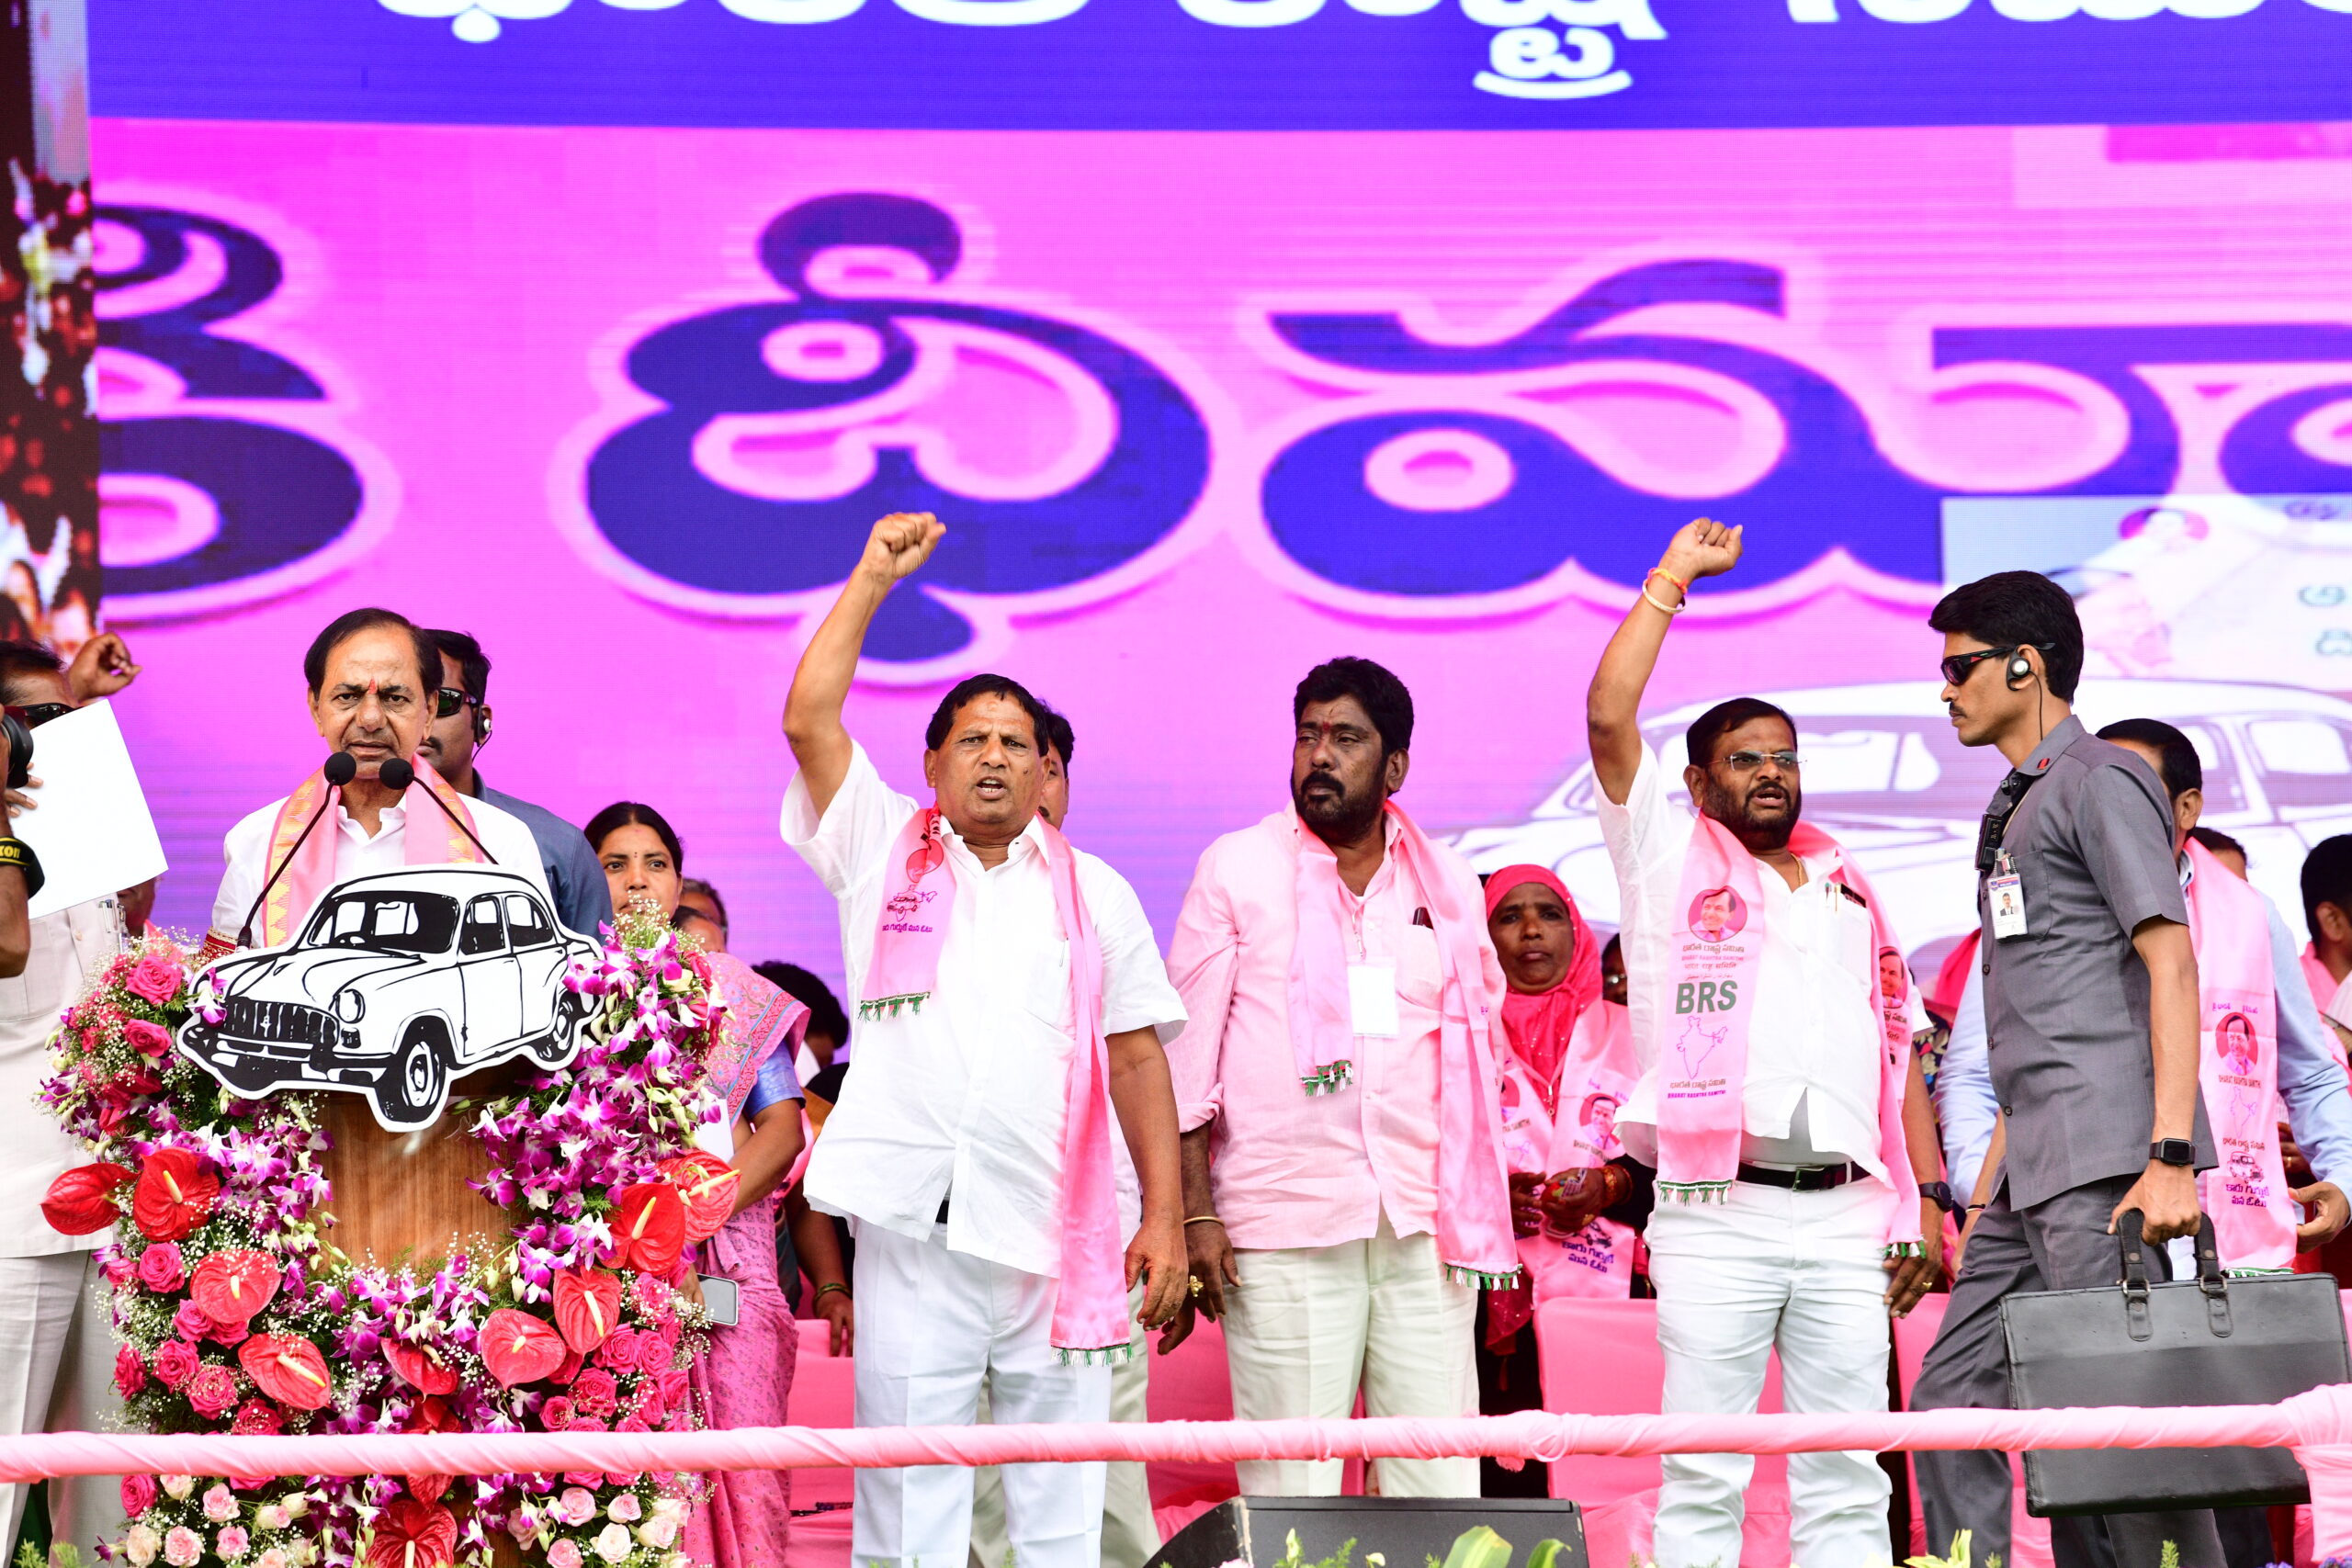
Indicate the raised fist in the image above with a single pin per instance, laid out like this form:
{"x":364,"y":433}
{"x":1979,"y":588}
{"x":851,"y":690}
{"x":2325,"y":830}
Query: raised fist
{"x":1701,"y":547}
{"x":900,"y":544}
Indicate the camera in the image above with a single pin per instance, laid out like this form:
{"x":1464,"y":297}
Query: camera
{"x":20,"y":745}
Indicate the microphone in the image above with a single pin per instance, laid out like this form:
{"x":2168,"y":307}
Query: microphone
{"x":395,"y":773}
{"x":339,"y":770}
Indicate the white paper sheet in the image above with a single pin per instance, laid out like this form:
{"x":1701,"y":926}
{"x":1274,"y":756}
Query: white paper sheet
{"x":92,"y":831}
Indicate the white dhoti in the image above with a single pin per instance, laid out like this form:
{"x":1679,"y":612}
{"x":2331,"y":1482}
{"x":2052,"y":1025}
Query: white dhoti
{"x":1802,"y":1271}
{"x":934,"y":1328}
{"x":1130,"y":1531}
{"x":1309,"y":1328}
{"x":56,"y":1374}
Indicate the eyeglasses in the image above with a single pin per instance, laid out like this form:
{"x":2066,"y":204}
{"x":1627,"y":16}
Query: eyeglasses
{"x":38,"y":713}
{"x":1958,"y":667}
{"x":447,"y":700}
{"x":1748,"y":761}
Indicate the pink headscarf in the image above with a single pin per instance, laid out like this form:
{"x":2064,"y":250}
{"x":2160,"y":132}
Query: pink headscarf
{"x":1539,"y":1026}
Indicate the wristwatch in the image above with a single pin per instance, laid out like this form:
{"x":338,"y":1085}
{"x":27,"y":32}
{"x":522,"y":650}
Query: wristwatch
{"x":2172,"y":1151}
{"x":1941,"y":1192}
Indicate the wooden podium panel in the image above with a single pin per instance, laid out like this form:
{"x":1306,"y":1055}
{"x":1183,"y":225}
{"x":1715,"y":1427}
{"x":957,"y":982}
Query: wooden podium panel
{"x":401,"y":1197}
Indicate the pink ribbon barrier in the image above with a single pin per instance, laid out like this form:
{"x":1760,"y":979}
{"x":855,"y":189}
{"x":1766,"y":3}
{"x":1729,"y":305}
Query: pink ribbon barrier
{"x":2317,"y":1425}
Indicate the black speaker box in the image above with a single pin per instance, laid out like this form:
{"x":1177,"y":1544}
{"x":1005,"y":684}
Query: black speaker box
{"x":1405,"y":1531}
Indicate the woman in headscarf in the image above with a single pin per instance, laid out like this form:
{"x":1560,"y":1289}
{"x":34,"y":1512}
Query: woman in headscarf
{"x":1570,"y":1064}
{"x":745,"y":1518}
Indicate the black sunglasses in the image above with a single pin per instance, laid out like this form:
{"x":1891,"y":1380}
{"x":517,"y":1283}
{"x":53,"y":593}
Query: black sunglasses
{"x":1958,"y":667}
{"x":447,"y":700}
{"x":35,"y":714}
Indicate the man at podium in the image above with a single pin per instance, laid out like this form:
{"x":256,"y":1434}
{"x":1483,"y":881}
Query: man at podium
{"x":372,"y":676}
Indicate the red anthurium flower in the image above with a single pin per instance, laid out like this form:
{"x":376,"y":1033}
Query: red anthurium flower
{"x":518,"y":1348}
{"x":708,"y":1185}
{"x":175,"y":1191}
{"x":649,"y":1227}
{"x":82,"y":1201}
{"x":428,"y":1488}
{"x":232,"y":1286}
{"x":413,"y":1534}
{"x":290,"y":1369}
{"x":587,"y":1307}
{"x":432,"y":1414}
{"x":420,"y":1370}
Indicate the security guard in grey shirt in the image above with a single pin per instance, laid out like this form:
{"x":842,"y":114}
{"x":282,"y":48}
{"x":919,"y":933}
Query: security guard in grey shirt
{"x":2090,"y":996}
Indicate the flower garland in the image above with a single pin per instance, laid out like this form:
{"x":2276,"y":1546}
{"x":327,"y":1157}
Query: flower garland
{"x":236,"y":1316}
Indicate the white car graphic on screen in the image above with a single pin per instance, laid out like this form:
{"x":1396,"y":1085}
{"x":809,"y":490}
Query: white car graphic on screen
{"x":1885,"y":775}
{"x":400,"y":982}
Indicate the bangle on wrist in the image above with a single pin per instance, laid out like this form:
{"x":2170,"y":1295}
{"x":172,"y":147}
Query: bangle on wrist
{"x":835,"y":1285}
{"x":1205,"y":1219}
{"x":1675,"y":609}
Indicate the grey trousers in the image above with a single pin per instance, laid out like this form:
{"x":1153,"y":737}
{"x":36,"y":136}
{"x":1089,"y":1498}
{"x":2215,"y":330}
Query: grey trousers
{"x":2060,"y":1243}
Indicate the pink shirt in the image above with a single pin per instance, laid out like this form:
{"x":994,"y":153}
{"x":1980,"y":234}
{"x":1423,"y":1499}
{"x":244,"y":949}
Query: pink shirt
{"x":1292,"y":1169}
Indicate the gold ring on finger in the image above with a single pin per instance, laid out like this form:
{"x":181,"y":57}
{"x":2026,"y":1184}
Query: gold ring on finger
{"x":1197,"y":1284}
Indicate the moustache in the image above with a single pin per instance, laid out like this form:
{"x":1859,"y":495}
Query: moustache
{"x":1311,"y":779}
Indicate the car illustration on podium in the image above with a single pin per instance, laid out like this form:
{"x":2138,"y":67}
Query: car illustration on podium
{"x":399,"y":981}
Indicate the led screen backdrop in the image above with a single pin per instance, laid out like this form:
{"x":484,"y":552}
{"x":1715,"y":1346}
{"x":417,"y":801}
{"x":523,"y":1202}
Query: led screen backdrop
{"x":1226,"y":335}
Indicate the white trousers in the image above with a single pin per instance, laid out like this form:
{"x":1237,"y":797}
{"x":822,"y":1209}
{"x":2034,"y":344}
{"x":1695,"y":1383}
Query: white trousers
{"x":1309,"y":1328}
{"x":1802,"y":1271}
{"x":1130,"y":1532}
{"x":57,"y":1374}
{"x":934,"y":1328}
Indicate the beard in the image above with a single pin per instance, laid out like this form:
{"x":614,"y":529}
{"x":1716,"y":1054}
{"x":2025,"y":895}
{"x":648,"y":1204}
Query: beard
{"x":1338,"y":818}
{"x":1766,"y":830}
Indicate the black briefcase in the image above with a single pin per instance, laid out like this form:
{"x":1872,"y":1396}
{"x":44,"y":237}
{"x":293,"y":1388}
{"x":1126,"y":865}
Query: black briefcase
{"x":2211,"y":1340}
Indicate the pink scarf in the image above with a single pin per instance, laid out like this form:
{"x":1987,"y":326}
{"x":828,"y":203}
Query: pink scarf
{"x":2237,"y":1063}
{"x":427,"y":837}
{"x":1090,"y":1322}
{"x":1474,"y":1236}
{"x":1539,"y":1027}
{"x":759,"y":1019}
{"x":1596,"y":1076}
{"x":1703,"y":1048}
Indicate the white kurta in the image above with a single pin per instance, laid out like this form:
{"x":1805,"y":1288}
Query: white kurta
{"x":356,"y":854}
{"x":962,"y":1101}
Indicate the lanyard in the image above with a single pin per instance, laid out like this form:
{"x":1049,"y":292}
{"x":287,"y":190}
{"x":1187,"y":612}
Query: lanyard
{"x":1995,"y":825}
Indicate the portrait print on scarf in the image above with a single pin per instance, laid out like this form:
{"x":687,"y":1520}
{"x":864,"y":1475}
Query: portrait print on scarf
{"x":1569,"y":1067}
{"x":2237,"y":1068}
{"x":1702,"y":1043}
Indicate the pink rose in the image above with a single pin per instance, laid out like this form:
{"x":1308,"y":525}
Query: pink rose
{"x":119,"y":1270}
{"x":233,"y":1541}
{"x":189,"y":1322}
{"x":258,"y":1417}
{"x":138,"y":1494}
{"x":183,"y":1548}
{"x":563,"y":1552}
{"x":175,"y":1364}
{"x":632,"y":1423}
{"x":130,"y":1374}
{"x":577,"y":1506}
{"x":154,"y":978}
{"x":555,"y":1414}
{"x":677,"y":1388}
{"x":213,"y":1390}
{"x":148,"y":1039}
{"x":648,"y":1399}
{"x":221,"y":1333}
{"x":160,"y":1269}
{"x":619,"y":1349}
{"x":595,"y":1391}
{"x":625,"y":1509}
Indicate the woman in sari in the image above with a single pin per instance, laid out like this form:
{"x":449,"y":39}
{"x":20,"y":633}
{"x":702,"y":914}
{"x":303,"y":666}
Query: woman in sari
{"x":745,"y":1518}
{"x":1570,"y":1064}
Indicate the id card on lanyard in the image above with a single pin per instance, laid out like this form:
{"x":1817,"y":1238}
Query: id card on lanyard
{"x":2005,"y":896}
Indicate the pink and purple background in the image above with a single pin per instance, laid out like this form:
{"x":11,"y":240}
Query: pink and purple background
{"x":465,"y":297}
